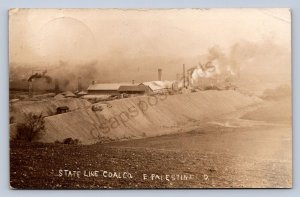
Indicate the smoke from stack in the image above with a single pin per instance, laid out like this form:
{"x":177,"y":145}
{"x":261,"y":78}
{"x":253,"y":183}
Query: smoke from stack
{"x":76,"y":77}
{"x":40,"y":75}
{"x":37,"y":76}
{"x":219,"y":65}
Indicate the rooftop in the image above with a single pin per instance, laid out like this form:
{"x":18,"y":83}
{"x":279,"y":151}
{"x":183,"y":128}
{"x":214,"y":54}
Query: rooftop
{"x":132,"y":88}
{"x":158,"y":85}
{"x":106,"y":86}
{"x":68,"y":94}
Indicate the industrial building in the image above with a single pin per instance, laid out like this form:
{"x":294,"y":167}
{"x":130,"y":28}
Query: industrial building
{"x":158,"y":86}
{"x":105,"y":88}
{"x":134,"y":89}
{"x":115,"y":89}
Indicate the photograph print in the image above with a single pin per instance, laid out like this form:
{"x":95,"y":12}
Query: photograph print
{"x":150,"y":98}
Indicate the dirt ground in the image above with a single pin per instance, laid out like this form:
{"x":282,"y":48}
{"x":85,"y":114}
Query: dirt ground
{"x":227,"y":153}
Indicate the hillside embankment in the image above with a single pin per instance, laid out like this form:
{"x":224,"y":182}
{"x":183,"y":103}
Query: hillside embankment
{"x":146,"y":116}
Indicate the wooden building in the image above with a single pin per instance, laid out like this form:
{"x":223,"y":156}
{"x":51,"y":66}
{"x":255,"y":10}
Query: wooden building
{"x":134,"y":89}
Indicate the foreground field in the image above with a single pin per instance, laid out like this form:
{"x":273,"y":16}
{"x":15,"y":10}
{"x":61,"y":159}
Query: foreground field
{"x":210,"y":156}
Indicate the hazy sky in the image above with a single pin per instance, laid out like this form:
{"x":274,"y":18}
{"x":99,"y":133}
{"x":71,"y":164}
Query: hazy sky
{"x":79,"y":35}
{"x":140,"y":41}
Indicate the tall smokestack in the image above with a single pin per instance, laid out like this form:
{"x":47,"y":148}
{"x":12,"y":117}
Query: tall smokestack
{"x":79,"y":86}
{"x":159,"y":74}
{"x":183,"y":74}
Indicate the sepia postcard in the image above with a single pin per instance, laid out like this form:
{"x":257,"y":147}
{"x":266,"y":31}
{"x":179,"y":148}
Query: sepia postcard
{"x":150,"y":98}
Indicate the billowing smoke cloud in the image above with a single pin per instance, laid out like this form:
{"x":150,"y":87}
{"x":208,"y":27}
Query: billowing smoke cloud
{"x":39,"y":76}
{"x":70,"y":77}
{"x":248,"y":65}
{"x":221,"y":66}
